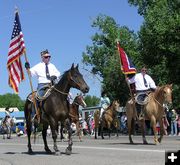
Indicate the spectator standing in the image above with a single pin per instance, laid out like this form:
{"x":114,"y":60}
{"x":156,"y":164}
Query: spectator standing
{"x":174,"y":119}
{"x":178,"y":124}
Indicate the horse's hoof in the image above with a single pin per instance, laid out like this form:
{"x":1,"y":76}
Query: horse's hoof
{"x":48,"y":151}
{"x":156,"y":141}
{"x":131,"y":142}
{"x":68,"y":152}
{"x":159,"y":140}
{"x":30,"y":151}
{"x":57,"y":153}
{"x":145,"y":142}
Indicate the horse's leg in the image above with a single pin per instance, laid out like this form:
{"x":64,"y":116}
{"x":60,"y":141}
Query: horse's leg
{"x":153,"y":125}
{"x":78,"y":130}
{"x":102,"y":130}
{"x":61,"y":131}
{"x":8,"y":132}
{"x":109,"y":128}
{"x":28,"y":130}
{"x":70,"y":143}
{"x":129,"y":123}
{"x":44,"y":135}
{"x":95,"y":132}
{"x":161,"y":130}
{"x":142,"y":123}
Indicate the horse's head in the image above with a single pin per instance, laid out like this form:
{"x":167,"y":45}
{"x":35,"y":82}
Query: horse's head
{"x":115,"y":105}
{"x":80,"y":101}
{"x":168,"y":93}
{"x":76,"y":79}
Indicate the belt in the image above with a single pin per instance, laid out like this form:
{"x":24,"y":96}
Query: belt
{"x":138,"y":91}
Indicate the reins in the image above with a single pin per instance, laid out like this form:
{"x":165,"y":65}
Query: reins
{"x":161,"y":105}
{"x":64,"y":93}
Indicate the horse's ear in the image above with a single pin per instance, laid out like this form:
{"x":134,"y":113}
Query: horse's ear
{"x":77,"y":66}
{"x":171,"y":85}
{"x":72,"y":67}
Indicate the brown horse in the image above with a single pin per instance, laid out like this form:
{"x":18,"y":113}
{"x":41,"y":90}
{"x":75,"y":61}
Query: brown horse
{"x":74,"y":114}
{"x":55,"y":109}
{"x":153,"y":111}
{"x":109,"y":119}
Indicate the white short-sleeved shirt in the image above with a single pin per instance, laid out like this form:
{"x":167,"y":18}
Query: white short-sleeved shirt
{"x":139,"y":82}
{"x":39,"y":71}
{"x":104,"y":102}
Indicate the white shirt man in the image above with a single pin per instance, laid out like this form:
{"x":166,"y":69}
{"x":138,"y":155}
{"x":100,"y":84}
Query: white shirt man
{"x":140,"y":85}
{"x":43,"y":71}
{"x":39,"y":70}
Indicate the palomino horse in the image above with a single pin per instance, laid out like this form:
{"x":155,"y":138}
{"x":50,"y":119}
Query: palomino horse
{"x":56,"y":108}
{"x":109,"y":119}
{"x":6,"y":126}
{"x":153,"y":111}
{"x":74,"y":114}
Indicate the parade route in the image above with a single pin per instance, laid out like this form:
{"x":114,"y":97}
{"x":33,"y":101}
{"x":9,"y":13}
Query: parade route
{"x":88,"y":152}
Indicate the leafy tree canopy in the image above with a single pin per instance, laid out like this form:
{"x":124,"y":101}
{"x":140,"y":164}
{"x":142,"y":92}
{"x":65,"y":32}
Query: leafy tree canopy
{"x":91,"y":101}
{"x":11,"y":100}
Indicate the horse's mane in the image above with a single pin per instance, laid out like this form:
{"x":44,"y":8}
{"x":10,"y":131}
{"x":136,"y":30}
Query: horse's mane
{"x":159,"y":91}
{"x":63,"y":76}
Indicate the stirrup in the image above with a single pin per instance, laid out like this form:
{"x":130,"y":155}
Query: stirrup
{"x":38,"y":118}
{"x":141,"y":116}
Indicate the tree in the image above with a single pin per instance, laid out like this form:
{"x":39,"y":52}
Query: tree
{"x":91,"y":101}
{"x":103,"y":56}
{"x":11,"y":100}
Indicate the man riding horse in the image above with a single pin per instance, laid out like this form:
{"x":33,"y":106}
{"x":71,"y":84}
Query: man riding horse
{"x":45,"y":71}
{"x":7,"y":114}
{"x":141,"y":84}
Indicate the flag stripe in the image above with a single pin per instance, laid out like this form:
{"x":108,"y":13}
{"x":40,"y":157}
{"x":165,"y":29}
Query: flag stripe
{"x":16,"y":49}
{"x":127,"y":66}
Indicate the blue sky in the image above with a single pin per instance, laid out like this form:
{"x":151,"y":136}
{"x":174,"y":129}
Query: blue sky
{"x":61,"y":26}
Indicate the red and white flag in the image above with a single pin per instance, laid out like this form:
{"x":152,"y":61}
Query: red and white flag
{"x":127,"y":66}
{"x":16,"y":49}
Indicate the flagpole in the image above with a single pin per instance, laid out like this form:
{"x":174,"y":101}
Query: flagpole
{"x":33,"y":93}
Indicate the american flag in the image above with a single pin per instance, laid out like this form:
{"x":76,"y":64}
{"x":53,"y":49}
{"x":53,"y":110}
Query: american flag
{"x":16,"y":49}
{"x":127,"y":66}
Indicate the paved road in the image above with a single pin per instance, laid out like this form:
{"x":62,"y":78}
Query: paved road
{"x":114,"y":151}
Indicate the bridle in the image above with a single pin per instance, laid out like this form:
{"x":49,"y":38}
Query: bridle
{"x":65,"y":93}
{"x":165,"y":95}
{"x":78,"y":85}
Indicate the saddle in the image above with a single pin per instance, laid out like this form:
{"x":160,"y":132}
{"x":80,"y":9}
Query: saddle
{"x":39,"y":98}
{"x":142,"y":98}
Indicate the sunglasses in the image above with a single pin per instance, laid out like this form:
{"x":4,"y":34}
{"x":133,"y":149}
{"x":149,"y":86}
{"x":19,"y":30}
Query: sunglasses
{"x":47,"y":57}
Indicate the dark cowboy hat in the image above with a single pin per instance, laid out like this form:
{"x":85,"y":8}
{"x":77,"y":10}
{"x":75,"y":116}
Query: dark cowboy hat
{"x":45,"y":53}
